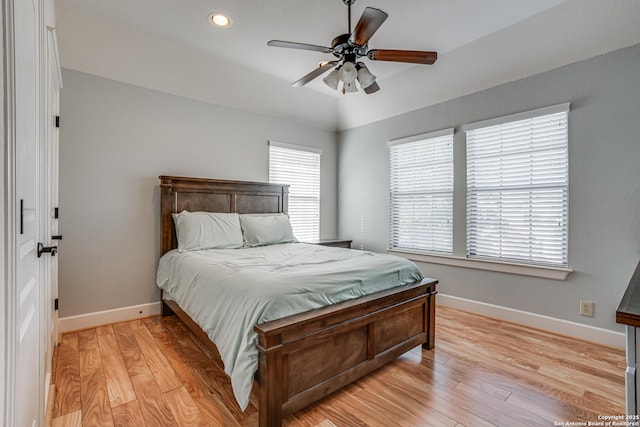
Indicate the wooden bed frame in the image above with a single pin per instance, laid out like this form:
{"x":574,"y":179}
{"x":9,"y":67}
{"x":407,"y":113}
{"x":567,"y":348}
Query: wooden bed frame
{"x":305,"y":357}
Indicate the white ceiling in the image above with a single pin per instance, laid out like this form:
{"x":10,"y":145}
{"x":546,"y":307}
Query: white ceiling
{"x":169,"y":45}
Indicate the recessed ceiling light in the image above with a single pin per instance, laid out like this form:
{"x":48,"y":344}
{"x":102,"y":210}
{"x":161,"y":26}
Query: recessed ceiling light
{"x":220,"y":19}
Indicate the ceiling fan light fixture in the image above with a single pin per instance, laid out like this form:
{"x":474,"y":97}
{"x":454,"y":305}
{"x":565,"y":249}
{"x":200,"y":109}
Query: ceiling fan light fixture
{"x":365,"y":77}
{"x":220,"y":19}
{"x":348,"y":48}
{"x":332,"y":80}
{"x":348,"y":73}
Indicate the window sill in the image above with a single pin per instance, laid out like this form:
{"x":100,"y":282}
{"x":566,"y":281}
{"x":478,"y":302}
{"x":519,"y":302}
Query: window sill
{"x":553,"y":273}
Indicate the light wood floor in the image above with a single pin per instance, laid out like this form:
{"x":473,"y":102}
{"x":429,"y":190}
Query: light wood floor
{"x":483,"y":372}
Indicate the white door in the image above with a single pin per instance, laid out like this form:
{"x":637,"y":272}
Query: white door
{"x":28,"y":361}
{"x":51,"y":235}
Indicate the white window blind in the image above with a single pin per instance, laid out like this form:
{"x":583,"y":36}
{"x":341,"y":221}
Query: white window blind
{"x":517,"y":187}
{"x":421,"y":192}
{"x":300,"y":168}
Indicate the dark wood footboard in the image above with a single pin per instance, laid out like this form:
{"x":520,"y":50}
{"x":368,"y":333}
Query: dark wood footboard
{"x":306,"y":357}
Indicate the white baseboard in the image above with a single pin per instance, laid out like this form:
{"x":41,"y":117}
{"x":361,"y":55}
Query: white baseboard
{"x":47,"y":389}
{"x":562,"y":327}
{"x":91,"y":320}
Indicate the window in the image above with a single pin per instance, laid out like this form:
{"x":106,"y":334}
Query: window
{"x":300,"y":168}
{"x":517,"y":187}
{"x":421,"y":192}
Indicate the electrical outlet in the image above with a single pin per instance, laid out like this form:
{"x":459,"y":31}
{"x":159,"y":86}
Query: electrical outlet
{"x":586,"y":308}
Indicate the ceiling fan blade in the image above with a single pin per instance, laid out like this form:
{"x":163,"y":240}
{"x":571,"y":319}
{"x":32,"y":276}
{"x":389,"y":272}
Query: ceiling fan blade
{"x":368,"y":24}
{"x":323,"y":68}
{"x":410,"y":56}
{"x":302,"y":46}
{"x":372,"y":88}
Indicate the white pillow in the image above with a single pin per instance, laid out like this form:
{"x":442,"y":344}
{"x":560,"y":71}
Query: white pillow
{"x":207,"y":230}
{"x":266,"y":229}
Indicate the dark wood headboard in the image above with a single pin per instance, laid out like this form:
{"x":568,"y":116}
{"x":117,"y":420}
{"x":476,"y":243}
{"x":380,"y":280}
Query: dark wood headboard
{"x":215,"y":195}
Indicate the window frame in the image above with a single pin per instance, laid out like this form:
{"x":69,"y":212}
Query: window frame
{"x":486,"y":265}
{"x":432,"y":195}
{"x":561,"y":233}
{"x":293,"y":197}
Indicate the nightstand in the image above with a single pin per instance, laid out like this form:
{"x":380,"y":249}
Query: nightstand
{"x":338,"y":243}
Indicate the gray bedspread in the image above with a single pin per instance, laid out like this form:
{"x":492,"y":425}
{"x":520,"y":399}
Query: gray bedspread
{"x":228,"y":291}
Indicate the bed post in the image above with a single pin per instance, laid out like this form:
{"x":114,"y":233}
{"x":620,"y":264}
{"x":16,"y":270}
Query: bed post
{"x":271,"y":385}
{"x":165,"y":310}
{"x":167,"y":202}
{"x":430,"y":319}
{"x":166,"y":224}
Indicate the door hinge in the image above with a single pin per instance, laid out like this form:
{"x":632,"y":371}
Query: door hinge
{"x":55,"y":213}
{"x":57,"y":121}
{"x":55,"y":304}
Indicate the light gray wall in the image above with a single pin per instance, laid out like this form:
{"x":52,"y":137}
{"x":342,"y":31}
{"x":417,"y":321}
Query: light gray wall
{"x":604,"y":189}
{"x":115,"y":140}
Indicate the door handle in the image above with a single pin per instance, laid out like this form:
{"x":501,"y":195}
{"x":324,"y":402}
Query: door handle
{"x":56,"y":237}
{"x":53,"y":250}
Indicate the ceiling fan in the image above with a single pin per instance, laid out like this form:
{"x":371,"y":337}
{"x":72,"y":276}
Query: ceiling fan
{"x":352,"y":46}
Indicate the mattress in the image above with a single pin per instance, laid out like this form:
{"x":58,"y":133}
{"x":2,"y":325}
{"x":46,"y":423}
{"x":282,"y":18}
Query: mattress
{"x":228,"y":291}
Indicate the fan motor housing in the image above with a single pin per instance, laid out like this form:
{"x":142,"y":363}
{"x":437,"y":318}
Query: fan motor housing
{"x":342,"y":46}
{"x":340,"y":43}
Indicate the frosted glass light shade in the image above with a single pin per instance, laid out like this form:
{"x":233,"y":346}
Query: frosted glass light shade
{"x":365,"y":77}
{"x":332,"y":80}
{"x":348,"y":73}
